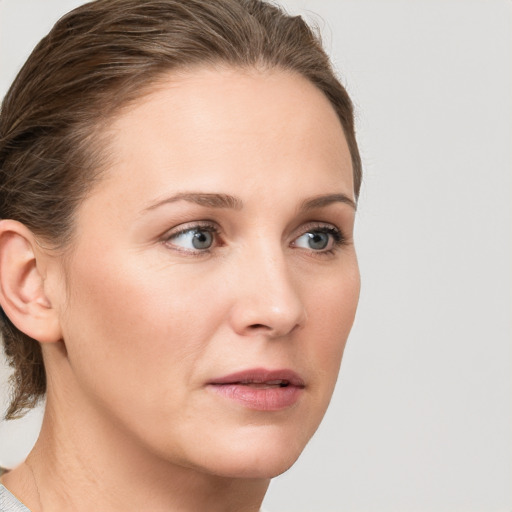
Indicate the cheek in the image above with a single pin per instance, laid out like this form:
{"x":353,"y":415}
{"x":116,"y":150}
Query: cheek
{"x":124,"y":326}
{"x":152,"y":319}
{"x":331,"y":315}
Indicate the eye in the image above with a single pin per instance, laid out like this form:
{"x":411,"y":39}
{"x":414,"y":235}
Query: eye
{"x":320,"y":239}
{"x":316,"y":241}
{"x":194,"y":239}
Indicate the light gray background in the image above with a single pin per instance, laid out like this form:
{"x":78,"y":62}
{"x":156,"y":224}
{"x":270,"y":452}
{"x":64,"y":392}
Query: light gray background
{"x":422,"y":416}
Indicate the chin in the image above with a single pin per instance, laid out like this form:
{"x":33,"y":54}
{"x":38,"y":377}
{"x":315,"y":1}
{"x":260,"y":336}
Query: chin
{"x":261,"y":466}
{"x":261,"y":452}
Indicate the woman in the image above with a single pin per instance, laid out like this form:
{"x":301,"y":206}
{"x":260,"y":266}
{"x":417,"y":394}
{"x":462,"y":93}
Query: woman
{"x":177,"y":271}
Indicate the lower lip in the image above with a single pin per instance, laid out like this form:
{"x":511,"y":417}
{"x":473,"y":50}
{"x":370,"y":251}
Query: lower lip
{"x":260,"y":399}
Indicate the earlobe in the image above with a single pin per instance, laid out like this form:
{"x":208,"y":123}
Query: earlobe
{"x":22,"y":293}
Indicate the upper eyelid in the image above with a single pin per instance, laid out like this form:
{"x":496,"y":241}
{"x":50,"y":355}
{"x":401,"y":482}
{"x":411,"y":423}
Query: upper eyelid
{"x":206,"y":224}
{"x":190,"y":226}
{"x":322,"y":227}
{"x":318,"y":225}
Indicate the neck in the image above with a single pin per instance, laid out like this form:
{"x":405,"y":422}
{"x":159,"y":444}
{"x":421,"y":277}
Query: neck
{"x":83,"y":462}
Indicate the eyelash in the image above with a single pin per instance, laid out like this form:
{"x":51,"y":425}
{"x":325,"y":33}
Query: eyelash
{"x":206,"y":227}
{"x":338,"y":238}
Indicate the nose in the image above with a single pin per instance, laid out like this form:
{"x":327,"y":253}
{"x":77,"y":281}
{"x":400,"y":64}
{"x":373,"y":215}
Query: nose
{"x":267,"y":302}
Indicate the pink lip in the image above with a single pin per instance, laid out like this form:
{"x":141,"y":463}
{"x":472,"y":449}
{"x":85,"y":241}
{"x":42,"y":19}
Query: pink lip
{"x":260,"y":389}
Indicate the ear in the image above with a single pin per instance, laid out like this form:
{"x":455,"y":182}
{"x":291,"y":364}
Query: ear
{"x":22,"y":293}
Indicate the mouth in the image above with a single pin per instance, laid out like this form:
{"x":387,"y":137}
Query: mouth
{"x":264,"y":385}
{"x":260,"y":389}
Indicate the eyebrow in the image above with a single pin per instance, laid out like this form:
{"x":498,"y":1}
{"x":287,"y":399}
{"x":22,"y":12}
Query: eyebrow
{"x":326,"y":200}
{"x":234,"y":203}
{"x":202,"y":199}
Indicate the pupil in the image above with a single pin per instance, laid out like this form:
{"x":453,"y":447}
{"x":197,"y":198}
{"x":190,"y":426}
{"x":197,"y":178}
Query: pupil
{"x":318,"y":240}
{"x":202,"y":240}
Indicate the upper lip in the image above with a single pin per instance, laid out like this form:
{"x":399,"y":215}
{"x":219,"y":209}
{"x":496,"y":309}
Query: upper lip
{"x":261,"y":376}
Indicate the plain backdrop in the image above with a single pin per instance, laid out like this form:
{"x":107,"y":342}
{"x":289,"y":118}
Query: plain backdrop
{"x":422,"y":416}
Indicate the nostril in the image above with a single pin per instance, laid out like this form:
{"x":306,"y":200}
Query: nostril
{"x":255,"y":316}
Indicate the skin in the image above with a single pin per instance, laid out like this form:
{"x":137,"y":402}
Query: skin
{"x":142,"y":320}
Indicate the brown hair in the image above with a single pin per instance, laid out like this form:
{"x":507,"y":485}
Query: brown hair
{"x":95,"y":60}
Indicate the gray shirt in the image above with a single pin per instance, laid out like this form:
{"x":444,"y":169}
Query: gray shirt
{"x":9,"y":502}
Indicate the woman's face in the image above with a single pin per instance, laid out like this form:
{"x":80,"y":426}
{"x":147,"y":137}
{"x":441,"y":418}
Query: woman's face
{"x":214,"y":281}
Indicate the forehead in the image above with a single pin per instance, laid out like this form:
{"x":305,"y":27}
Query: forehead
{"x":200,"y":127}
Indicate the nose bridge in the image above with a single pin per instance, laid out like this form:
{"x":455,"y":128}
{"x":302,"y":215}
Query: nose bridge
{"x":268,"y":300}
